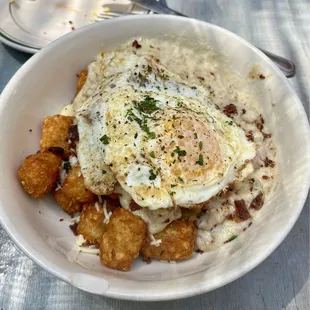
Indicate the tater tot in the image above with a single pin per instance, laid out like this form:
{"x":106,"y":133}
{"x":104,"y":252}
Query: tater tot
{"x":91,"y":224}
{"x":73,"y":186}
{"x":55,"y":134}
{"x":122,"y":240}
{"x":81,"y":81}
{"x":38,"y":173}
{"x":69,"y":205}
{"x":177,"y":242}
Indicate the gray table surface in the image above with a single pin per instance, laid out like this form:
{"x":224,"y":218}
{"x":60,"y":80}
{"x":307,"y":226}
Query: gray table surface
{"x":282,"y":280}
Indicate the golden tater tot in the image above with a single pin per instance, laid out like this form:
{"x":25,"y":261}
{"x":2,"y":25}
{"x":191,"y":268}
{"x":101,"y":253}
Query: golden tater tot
{"x":73,"y":186}
{"x":55,"y":134}
{"x":69,"y":205}
{"x":81,"y":81}
{"x":122,"y":240}
{"x":91,"y":224}
{"x":177,"y":242}
{"x":38,"y":173}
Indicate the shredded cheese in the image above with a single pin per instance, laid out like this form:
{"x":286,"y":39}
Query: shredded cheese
{"x":88,"y":250}
{"x":106,"y":214}
{"x":80,"y":240}
{"x":73,"y":160}
{"x":97,"y":206}
{"x":155,"y":242}
{"x":72,"y":220}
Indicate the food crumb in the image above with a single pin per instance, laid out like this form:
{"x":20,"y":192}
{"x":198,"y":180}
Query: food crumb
{"x":72,"y":28}
{"x":30,"y":130}
{"x":136,"y":44}
{"x":60,"y":220}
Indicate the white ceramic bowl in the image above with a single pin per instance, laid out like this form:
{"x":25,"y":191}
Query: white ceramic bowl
{"x":47,"y":82}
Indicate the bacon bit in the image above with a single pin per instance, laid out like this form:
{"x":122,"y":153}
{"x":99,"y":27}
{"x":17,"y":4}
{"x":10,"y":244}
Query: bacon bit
{"x":266,"y":135}
{"x":133,"y":206}
{"x":244,"y":229}
{"x":73,"y":133}
{"x":212,"y":73}
{"x":201,"y":78}
{"x":269,"y":163}
{"x":212,"y":241}
{"x":249,"y":136}
{"x":230,"y":109}
{"x":61,"y":220}
{"x":262,"y":77}
{"x":260,"y":123}
{"x":242,"y":213}
{"x":251,"y":184}
{"x":72,"y":28}
{"x":148,"y":260}
{"x":199,"y":251}
{"x":156,"y":59}
{"x":57,"y":150}
{"x":265,"y":177}
{"x":257,"y":202}
{"x":229,"y":217}
{"x":73,"y":227}
{"x":136,"y":44}
{"x":243,"y":111}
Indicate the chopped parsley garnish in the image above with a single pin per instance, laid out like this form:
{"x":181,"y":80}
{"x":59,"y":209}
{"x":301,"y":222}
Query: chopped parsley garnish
{"x":195,"y":135}
{"x":194,"y":87}
{"x":200,"y":160}
{"x":104,"y":171}
{"x":142,"y":123}
{"x":200,"y":145}
{"x":149,"y":69}
{"x":151,"y":46}
{"x":181,"y":137}
{"x":67,"y":166}
{"x":152,"y":175}
{"x":180,"y":152}
{"x":232,"y":238}
{"x":136,"y":135}
{"x":105,"y":139}
{"x":148,"y":105}
{"x":180,"y":179}
{"x":173,"y":185}
{"x":152,"y":154}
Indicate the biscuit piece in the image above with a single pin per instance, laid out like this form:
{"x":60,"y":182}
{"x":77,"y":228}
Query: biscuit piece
{"x":81,"y":81}
{"x":55,"y":134}
{"x":122,"y":240}
{"x":38,"y":173}
{"x":91,"y":224}
{"x":74,"y":188}
{"x":69,"y":205}
{"x":177,"y":242}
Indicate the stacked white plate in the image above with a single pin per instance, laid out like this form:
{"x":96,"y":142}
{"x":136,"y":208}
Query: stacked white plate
{"x":29,"y":25}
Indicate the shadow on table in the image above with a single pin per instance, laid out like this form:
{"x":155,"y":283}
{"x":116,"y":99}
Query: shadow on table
{"x":21,"y":57}
{"x":272,"y":285}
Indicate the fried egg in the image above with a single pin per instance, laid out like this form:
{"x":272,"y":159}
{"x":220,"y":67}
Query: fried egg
{"x":160,"y":138}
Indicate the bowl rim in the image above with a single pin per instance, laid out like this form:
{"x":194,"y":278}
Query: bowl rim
{"x":230,"y":276}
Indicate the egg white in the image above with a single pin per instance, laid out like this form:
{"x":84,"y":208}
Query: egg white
{"x":145,"y":153}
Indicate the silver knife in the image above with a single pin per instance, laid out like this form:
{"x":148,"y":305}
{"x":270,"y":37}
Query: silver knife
{"x":285,"y":65}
